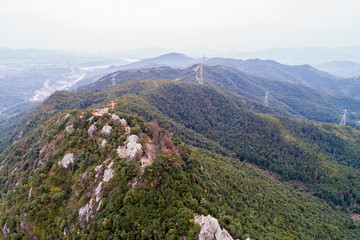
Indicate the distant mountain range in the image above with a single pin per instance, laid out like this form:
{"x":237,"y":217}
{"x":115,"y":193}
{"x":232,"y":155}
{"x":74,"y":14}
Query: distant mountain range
{"x":344,"y":69}
{"x":289,"y":99}
{"x":299,"y":74}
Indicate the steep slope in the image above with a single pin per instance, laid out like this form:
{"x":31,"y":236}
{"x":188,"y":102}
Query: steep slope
{"x":68,"y":178}
{"x":321,"y":156}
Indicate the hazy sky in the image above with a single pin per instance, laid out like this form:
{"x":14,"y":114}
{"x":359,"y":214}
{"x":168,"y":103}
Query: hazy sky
{"x":97,"y":25}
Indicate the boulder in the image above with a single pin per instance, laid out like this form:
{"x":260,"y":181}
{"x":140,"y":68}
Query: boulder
{"x":115,"y":117}
{"x":133,"y":148}
{"x":106,"y":129}
{"x":103,"y":143}
{"x":210,"y":229}
{"x":67,"y":160}
{"x":123,"y":122}
{"x":69,"y":128}
{"x":108,"y":173}
{"x":121,"y":151}
{"x":91,"y":130}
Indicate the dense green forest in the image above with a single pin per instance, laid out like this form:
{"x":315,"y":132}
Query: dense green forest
{"x":262,"y":175}
{"x":40,"y":198}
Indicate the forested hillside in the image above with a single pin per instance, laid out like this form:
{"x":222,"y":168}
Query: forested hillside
{"x":67,"y":179}
{"x":287,"y":99}
{"x":194,"y":149}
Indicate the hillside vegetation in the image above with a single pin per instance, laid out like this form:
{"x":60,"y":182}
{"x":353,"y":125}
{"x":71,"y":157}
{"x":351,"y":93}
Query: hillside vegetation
{"x":42,"y":197}
{"x":170,"y":149}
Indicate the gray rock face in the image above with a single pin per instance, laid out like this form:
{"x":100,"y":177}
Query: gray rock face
{"x":121,"y":151}
{"x":106,"y":129}
{"x":210,"y":229}
{"x":91,"y":130}
{"x":69,"y":128}
{"x":5,"y":229}
{"x":115,"y":117}
{"x":103,"y":143}
{"x":123,"y":122}
{"x":133,"y":148}
{"x":86,"y":211}
{"x":108,"y":173}
{"x":30,"y":193}
{"x":67,"y":160}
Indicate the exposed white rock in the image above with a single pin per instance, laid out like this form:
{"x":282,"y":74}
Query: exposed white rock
{"x":103,"y":143}
{"x":97,"y":170}
{"x":85,"y":213}
{"x":1,"y":167}
{"x":67,"y":115}
{"x":115,"y":117}
{"x":90,"y":118}
{"x":99,"y":206}
{"x":69,"y":128}
{"x":106,"y":129}
{"x":91,"y":130}
{"x":30,"y":193}
{"x":210,"y":229}
{"x":133,"y":148}
{"x":121,"y":150}
{"x":103,"y":110}
{"x":14,"y":171}
{"x":23,"y":224}
{"x":42,"y":149}
{"x":5,"y":229}
{"x":108,"y":173}
{"x":98,"y":192}
{"x":67,"y":160}
{"x":84,"y":175}
{"x":123,"y":122}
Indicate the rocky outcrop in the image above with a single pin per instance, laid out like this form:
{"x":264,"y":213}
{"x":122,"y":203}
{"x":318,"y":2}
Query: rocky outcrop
{"x":121,"y":151}
{"x":210,"y":229}
{"x":86,"y":212}
{"x":103,"y":143}
{"x":108,"y":173}
{"x":97,"y":170}
{"x":69,"y":128}
{"x":67,"y":160}
{"x":133,"y":148}
{"x":5,"y":229}
{"x":106,"y":129}
{"x":91,"y":130}
{"x":115,"y":117}
{"x":30,"y":193}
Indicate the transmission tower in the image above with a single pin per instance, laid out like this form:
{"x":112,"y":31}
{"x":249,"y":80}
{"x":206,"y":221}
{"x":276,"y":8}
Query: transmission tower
{"x":113,"y":80}
{"x":343,"y":119}
{"x":266,"y":99}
